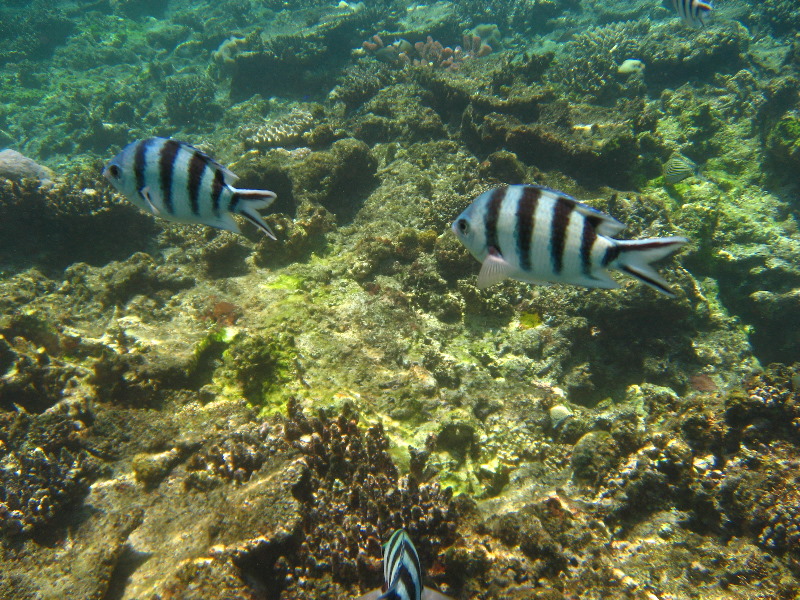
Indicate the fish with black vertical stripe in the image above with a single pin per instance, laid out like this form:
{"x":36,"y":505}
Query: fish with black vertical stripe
{"x":178,"y":182}
{"x":402,"y":573}
{"x":539,"y":235}
{"x":693,"y":12}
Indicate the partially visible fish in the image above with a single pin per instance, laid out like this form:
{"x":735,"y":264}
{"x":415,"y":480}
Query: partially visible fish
{"x":535,"y":234}
{"x":630,"y":65}
{"x":402,"y":573}
{"x":693,"y":12}
{"x":678,"y":167}
{"x":180,"y":183}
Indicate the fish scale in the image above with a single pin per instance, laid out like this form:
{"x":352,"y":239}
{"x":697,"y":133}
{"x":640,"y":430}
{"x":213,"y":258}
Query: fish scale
{"x":539,"y":235}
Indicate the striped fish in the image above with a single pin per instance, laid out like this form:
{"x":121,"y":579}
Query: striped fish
{"x":177,"y":182}
{"x":402,"y":573}
{"x":678,"y":167}
{"x":535,"y":234}
{"x":693,"y":12}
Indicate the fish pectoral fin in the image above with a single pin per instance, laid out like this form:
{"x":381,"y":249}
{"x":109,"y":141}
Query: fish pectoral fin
{"x":431,"y":594}
{"x":494,"y":270}
{"x":145,"y":193}
{"x":371,"y":595}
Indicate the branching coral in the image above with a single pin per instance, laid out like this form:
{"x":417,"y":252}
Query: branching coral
{"x":588,"y":65}
{"x":430,"y":53}
{"x":354,"y":497}
{"x":43,"y":470}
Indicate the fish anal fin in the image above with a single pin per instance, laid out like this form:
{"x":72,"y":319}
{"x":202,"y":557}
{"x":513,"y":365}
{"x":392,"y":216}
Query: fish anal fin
{"x":225,"y":222}
{"x":431,"y":594}
{"x":494,"y":270}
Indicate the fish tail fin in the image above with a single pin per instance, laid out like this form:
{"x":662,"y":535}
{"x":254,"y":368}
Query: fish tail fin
{"x":635,"y":257}
{"x":247,"y":202}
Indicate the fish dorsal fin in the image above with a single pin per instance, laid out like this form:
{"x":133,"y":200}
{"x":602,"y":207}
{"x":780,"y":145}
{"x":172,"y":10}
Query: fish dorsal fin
{"x":494,"y":270}
{"x":603,"y":224}
{"x":228,"y":176}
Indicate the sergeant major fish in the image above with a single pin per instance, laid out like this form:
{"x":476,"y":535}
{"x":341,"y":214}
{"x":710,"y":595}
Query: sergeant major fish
{"x":536,"y":234}
{"x":693,"y":12}
{"x":402,"y":573}
{"x":180,"y":183}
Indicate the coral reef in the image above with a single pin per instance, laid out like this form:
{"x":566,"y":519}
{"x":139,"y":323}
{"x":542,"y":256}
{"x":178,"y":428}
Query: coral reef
{"x":191,"y":98}
{"x":45,"y":469}
{"x":430,"y":53}
{"x":286,"y":131}
{"x":345,"y":524}
{"x":187,"y":412}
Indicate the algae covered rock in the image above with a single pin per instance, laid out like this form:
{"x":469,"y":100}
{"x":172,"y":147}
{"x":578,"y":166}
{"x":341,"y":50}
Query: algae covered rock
{"x":783,"y":140}
{"x":593,"y":456}
{"x":337,"y":179}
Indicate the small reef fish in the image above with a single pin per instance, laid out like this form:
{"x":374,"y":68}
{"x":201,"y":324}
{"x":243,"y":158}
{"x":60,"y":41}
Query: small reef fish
{"x":630,"y":65}
{"x":402,"y":573}
{"x":539,"y":235}
{"x":693,"y":12}
{"x":180,"y":183}
{"x":678,"y":167}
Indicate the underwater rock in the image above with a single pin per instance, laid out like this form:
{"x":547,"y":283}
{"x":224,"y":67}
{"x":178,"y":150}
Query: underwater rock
{"x":138,"y":8}
{"x":82,"y":569}
{"x":766,"y":410}
{"x":30,"y":377}
{"x":594,"y":456}
{"x":16,"y":167}
{"x":66,"y":223}
{"x":150,"y":469}
{"x":614,"y":150}
{"x":315,"y":179}
{"x":783,"y":141}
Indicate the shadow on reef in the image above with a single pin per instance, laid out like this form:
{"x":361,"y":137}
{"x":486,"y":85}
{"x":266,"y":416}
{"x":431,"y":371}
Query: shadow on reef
{"x":52,"y":228}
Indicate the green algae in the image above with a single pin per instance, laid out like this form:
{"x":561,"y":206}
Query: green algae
{"x":784,"y":139}
{"x":529,"y":319}
{"x":287,"y":282}
{"x":259,"y":367}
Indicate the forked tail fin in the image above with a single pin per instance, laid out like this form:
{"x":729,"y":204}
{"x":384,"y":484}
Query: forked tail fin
{"x":246,"y":203}
{"x":635,"y":257}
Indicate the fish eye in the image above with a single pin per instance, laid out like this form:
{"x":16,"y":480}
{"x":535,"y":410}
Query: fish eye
{"x":463,"y":226}
{"x":113,"y":170}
